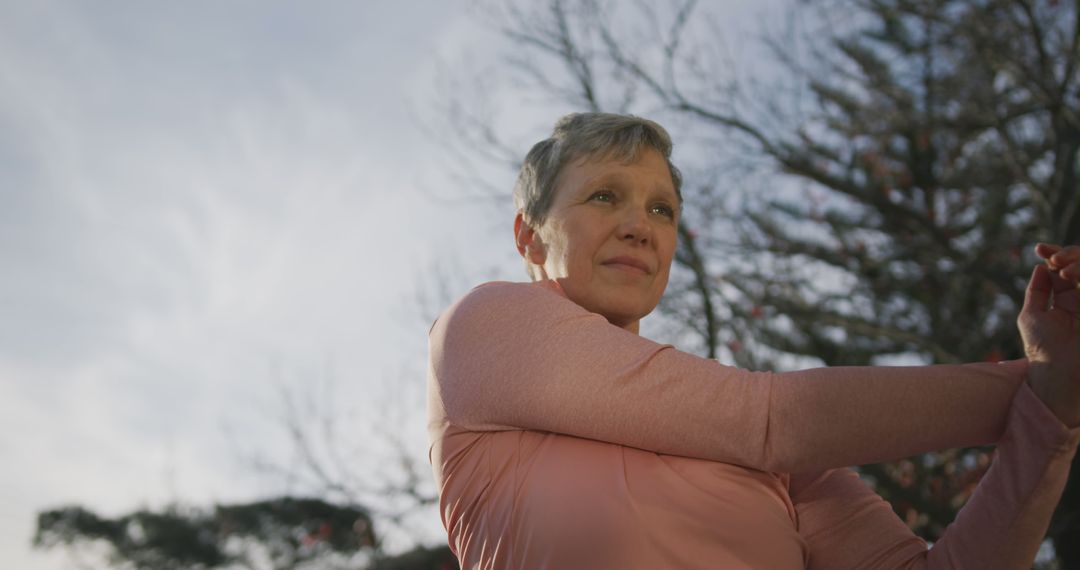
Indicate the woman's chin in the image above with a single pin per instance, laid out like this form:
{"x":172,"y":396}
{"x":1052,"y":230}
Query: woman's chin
{"x":620,"y":308}
{"x":624,"y":317}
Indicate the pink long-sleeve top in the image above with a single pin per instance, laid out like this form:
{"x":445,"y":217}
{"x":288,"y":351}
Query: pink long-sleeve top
{"x":561,"y":441}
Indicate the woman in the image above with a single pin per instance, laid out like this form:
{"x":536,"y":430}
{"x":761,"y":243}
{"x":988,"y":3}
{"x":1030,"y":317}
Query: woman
{"x":562,"y":439}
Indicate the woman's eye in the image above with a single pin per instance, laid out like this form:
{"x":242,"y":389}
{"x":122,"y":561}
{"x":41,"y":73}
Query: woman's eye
{"x":664,"y":210}
{"x":603,"y":196}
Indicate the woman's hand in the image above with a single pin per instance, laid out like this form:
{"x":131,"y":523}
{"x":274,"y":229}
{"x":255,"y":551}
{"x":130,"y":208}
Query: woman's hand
{"x":1063,"y":260}
{"x":1049,"y":328}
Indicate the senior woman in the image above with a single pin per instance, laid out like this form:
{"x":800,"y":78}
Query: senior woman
{"x":562,"y":439}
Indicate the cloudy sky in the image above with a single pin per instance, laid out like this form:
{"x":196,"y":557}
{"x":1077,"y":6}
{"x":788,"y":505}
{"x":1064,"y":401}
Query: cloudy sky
{"x":204,"y":206}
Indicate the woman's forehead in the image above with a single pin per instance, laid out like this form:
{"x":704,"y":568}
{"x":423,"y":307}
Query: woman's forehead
{"x":614,"y":168}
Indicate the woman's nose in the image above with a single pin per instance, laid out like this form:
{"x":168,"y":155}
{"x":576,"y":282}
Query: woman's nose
{"x":635,"y":227}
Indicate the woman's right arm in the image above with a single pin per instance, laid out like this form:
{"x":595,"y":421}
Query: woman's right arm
{"x":845,"y":524}
{"x":519,"y":356}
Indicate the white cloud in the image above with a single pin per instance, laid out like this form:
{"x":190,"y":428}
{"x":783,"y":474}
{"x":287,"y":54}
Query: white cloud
{"x":192,"y":194}
{"x":202,"y":201}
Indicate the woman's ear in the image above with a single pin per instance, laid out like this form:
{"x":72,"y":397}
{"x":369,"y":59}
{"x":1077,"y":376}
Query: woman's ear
{"x":528,"y":241}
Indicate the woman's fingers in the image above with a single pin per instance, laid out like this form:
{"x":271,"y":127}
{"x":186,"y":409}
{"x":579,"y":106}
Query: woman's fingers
{"x":1064,"y":292}
{"x":1063,"y":256}
{"x":1071,"y":271}
{"x":1037,"y":296}
{"x":1067,"y":300}
{"x":1063,"y":261}
{"x":1064,"y":285}
{"x":1045,"y":250}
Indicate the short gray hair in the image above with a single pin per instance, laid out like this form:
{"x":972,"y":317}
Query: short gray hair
{"x":585,"y":135}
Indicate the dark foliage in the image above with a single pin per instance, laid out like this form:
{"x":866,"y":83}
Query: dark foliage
{"x":287,"y":532}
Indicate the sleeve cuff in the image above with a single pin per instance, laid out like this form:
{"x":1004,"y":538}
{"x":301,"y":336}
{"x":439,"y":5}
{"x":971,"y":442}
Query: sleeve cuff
{"x":1036,"y":425}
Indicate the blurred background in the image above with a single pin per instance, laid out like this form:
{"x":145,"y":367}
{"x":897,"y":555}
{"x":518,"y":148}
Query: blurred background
{"x":225,"y":229}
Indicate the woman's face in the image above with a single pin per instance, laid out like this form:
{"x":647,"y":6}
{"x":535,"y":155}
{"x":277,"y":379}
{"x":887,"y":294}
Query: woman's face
{"x":609,"y":237}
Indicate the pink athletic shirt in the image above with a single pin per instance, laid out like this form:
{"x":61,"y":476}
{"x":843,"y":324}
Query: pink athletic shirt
{"x":561,"y":441}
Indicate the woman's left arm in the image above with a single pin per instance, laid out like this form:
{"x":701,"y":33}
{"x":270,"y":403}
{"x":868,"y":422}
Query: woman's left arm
{"x":846,"y":525}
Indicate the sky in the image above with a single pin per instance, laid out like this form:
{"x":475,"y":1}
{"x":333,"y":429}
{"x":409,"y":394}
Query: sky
{"x":212,"y":211}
